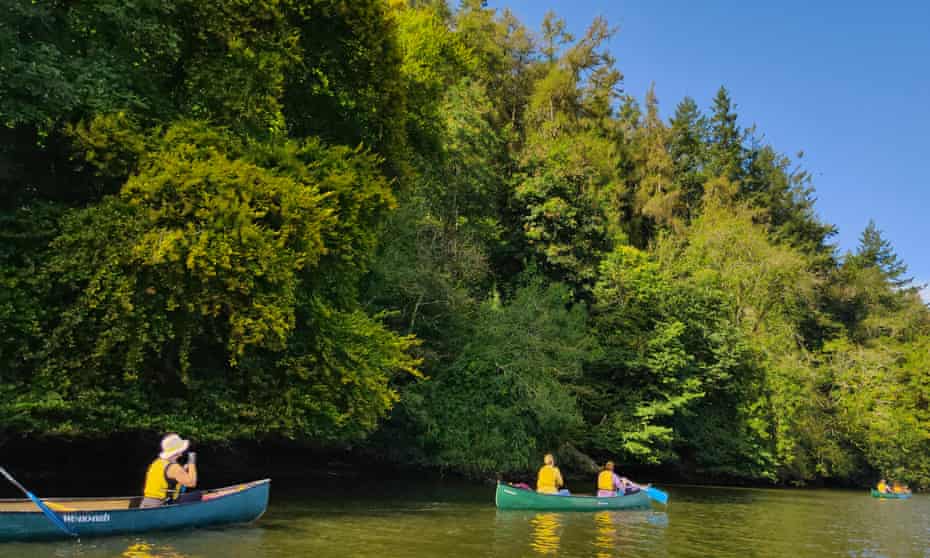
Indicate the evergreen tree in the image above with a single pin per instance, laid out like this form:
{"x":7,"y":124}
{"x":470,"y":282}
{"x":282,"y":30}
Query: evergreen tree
{"x":658,"y":196}
{"x":554,"y":36}
{"x":688,"y":152}
{"x":875,"y":251}
{"x":726,"y":139}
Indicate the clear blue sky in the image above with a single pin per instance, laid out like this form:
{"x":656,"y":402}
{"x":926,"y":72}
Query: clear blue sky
{"x":846,"y":82}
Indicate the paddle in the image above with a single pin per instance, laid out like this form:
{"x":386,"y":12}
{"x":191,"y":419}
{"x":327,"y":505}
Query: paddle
{"x":52,"y":516}
{"x":657,"y":495}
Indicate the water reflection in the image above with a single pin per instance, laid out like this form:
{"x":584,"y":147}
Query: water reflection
{"x":546,"y":533}
{"x":659,"y":519}
{"x":606,"y":537}
{"x":146,"y":550}
{"x":602,"y":534}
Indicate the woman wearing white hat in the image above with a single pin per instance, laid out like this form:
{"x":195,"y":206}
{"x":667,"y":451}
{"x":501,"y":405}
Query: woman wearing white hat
{"x":166,"y":476}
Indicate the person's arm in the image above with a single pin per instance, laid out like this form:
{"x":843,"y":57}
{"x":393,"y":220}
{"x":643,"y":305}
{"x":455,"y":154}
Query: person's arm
{"x":627,"y":483}
{"x":192,"y":466}
{"x":558,"y":478}
{"x":184,"y":476}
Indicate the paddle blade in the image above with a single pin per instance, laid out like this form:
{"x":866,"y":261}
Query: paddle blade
{"x":657,"y":495}
{"x":52,"y":516}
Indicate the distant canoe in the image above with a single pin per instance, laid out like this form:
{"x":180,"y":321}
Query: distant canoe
{"x":20,"y":520}
{"x":512,"y":498}
{"x":891,"y":496}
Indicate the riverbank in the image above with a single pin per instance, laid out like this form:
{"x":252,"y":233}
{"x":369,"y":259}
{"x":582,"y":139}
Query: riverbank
{"x":113,"y":466}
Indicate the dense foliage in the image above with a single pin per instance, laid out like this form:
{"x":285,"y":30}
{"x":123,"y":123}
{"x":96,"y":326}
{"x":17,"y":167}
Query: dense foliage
{"x":426,"y":227}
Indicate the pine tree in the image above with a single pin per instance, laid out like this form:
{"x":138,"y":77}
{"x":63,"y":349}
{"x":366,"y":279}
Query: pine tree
{"x":554,"y":36}
{"x":876,"y":251}
{"x":686,"y":148}
{"x":658,"y":195}
{"x":726,"y":139}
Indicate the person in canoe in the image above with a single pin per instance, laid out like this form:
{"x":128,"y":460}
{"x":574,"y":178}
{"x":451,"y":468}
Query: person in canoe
{"x":899,"y":488}
{"x":610,"y":484}
{"x":165,"y":476}
{"x":882,"y":486}
{"x":549,"y":480}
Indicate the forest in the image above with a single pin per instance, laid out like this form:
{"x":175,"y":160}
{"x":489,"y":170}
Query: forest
{"x":429,"y":231}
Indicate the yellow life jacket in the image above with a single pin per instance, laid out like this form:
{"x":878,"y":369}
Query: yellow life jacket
{"x":882,"y":487}
{"x":605,"y":481}
{"x":546,"y":481}
{"x":157,"y":484}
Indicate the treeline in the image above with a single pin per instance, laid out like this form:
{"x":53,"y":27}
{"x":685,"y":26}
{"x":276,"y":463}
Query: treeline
{"x":432,"y":231}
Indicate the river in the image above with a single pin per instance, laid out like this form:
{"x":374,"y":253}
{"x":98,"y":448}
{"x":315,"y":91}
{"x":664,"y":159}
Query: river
{"x":453,"y":519}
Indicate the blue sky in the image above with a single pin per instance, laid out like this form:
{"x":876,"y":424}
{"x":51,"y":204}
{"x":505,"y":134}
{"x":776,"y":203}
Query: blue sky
{"x":846,"y":82}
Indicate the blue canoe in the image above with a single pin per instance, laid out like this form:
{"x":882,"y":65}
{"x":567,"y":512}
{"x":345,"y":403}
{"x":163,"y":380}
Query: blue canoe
{"x":21,"y":520}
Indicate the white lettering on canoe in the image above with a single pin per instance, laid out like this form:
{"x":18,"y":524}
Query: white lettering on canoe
{"x":86,"y":517}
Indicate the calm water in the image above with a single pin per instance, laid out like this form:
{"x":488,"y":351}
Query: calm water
{"x":428,"y":519}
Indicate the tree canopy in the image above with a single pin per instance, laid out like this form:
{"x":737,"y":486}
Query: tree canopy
{"x":429,"y":230}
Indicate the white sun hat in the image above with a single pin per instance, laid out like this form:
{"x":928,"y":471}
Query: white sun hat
{"x":173,"y":445}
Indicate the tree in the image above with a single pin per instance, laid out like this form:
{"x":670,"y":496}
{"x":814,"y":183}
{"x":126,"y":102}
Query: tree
{"x":879,"y":395}
{"x":687,"y":149}
{"x":646,"y":374}
{"x":782,"y":191}
{"x":725,"y":139}
{"x":278,"y":219}
{"x":62,"y":63}
{"x":347,"y":88}
{"x":568,"y":165}
{"x":505,"y":50}
{"x":767,"y":288}
{"x":657,"y":196}
{"x":875,"y":251}
{"x":435,"y":256}
{"x":507,"y":398}
{"x":204,"y":271}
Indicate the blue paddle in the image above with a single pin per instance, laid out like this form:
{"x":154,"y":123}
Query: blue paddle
{"x":657,"y":495}
{"x":52,"y":516}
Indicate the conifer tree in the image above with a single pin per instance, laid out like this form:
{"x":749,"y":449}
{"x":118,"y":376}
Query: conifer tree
{"x":877,"y":252}
{"x":726,"y":139}
{"x":686,"y":148}
{"x":658,"y":195}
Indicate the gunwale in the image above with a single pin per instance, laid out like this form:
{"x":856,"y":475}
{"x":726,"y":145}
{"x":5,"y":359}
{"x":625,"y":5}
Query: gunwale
{"x":117,"y":503}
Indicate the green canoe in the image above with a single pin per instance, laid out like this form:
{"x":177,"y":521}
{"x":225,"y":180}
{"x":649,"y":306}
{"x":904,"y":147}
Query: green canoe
{"x":890,"y":496}
{"x":512,"y":498}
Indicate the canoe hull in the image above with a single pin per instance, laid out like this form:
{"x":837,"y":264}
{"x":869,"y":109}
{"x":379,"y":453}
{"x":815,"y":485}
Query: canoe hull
{"x":510,"y":498}
{"x":892,"y":496}
{"x":242,"y":504}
